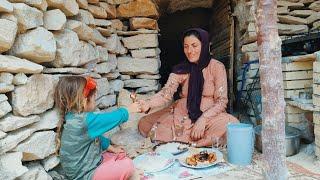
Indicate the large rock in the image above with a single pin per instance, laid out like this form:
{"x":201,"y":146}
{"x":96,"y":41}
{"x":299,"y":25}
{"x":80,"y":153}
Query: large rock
{"x":143,"y":23}
{"x":316,"y":25}
{"x":302,"y":13}
{"x":87,"y":53}
{"x":110,"y":9}
{"x":54,"y":19}
{"x":85,"y":17}
{"x":114,"y":45}
{"x":83,"y":4}
{"x":138,"y":8}
{"x":40,"y":4}
{"x":14,"y":138}
{"x":11,"y":122}
{"x":34,"y":97}
{"x":315,"y":6}
{"x":3,"y":97}
{"x":141,"y":41}
{"x":11,"y":166}
{"x":138,"y":66}
{"x":50,"y":162}
{"x":292,"y":20}
{"x":98,"y":38}
{"x":6,"y":6}
{"x":83,"y":31}
{"x":8,"y":30}
{"x":314,"y":17}
{"x":103,"y":87}
{"x":135,"y":83}
{"x":48,"y":120}
{"x":4,"y":87}
{"x":106,"y":101}
{"x":20,"y":79}
{"x":180,"y":5}
{"x":68,"y":48}
{"x":115,"y":2}
{"x":70,"y":70}
{"x":97,"y":11}
{"x":106,"y":67}
{"x":285,"y":29}
{"x":6,"y":78}
{"x":38,"y":146}
{"x":103,"y":54}
{"x":16,"y":65}
{"x":252,"y":47}
{"x":148,"y":89}
{"x":148,"y":76}
{"x":35,"y":172}
{"x":5,"y":108}
{"x":28,"y":17}
{"x":103,"y":23}
{"x":69,"y":7}
{"x":117,"y":24}
{"x":290,"y":5}
{"x":37,"y":45}
{"x":2,"y":135}
{"x":116,"y":85}
{"x":144,"y":53}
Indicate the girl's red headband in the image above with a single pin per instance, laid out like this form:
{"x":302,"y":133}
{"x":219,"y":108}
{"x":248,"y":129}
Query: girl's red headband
{"x":90,"y":85}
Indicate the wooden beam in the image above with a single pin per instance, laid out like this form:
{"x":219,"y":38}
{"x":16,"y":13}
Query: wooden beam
{"x":297,"y":84}
{"x":296,"y":75}
{"x":296,"y":66}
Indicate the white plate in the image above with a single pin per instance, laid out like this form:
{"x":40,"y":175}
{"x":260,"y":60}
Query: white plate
{"x":182,"y":158}
{"x":154,"y":161}
{"x":172,"y":147}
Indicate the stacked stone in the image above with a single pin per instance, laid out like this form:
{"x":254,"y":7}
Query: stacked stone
{"x":316,"y":102}
{"x":139,"y":66}
{"x":297,"y":83}
{"x":294,"y":17}
{"x":41,"y":40}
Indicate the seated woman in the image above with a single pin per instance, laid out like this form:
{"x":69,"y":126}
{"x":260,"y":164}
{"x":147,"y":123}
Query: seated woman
{"x":199,"y":117}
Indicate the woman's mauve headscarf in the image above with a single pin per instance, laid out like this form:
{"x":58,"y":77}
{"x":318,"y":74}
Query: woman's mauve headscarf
{"x":196,"y":79}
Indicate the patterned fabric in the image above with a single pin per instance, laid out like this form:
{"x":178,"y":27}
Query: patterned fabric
{"x":173,"y":123}
{"x":82,"y":141}
{"x":79,"y":154}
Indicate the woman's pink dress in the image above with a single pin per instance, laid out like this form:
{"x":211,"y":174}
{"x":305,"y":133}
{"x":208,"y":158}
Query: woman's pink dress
{"x":167,"y":124}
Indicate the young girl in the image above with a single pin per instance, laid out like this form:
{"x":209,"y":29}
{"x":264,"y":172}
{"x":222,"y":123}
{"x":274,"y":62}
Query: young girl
{"x":85,"y":153}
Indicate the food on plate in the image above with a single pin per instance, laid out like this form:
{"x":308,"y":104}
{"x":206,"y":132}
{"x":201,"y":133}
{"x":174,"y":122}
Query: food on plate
{"x":202,"y":157}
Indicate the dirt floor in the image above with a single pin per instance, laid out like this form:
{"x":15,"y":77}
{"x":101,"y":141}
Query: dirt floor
{"x":303,"y":166}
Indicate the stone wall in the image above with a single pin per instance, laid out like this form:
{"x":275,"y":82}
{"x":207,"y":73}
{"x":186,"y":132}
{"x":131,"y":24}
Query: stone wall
{"x":114,"y":41}
{"x":294,"y":17}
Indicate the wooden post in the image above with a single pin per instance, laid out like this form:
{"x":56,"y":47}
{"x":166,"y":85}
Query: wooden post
{"x":273,"y":104}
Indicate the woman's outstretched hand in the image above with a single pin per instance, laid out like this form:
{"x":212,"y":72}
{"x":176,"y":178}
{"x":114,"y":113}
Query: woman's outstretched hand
{"x":198,"y":130}
{"x":144,"y":106}
{"x":134,"y":107}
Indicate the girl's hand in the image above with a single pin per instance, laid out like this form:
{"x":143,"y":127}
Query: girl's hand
{"x":144,"y":106}
{"x":198,"y":130}
{"x":134,"y":107}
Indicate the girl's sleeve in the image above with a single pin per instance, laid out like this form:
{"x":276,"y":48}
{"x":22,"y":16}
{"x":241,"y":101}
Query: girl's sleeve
{"x":165,"y":95}
{"x":99,"y":123}
{"x":105,"y":142}
{"x":220,"y":91}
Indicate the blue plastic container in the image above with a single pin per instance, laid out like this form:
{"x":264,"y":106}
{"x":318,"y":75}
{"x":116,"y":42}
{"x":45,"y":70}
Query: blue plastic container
{"x":240,"y":143}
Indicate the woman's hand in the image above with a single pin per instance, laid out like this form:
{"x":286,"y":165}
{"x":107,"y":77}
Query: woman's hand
{"x":134,"y":107}
{"x":144,"y":106}
{"x":198,"y":130}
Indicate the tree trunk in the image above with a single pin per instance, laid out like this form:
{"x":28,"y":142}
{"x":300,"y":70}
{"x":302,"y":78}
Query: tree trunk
{"x":273,"y":104}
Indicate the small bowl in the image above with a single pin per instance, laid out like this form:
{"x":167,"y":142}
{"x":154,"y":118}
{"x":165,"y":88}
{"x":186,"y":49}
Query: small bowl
{"x":292,"y":140}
